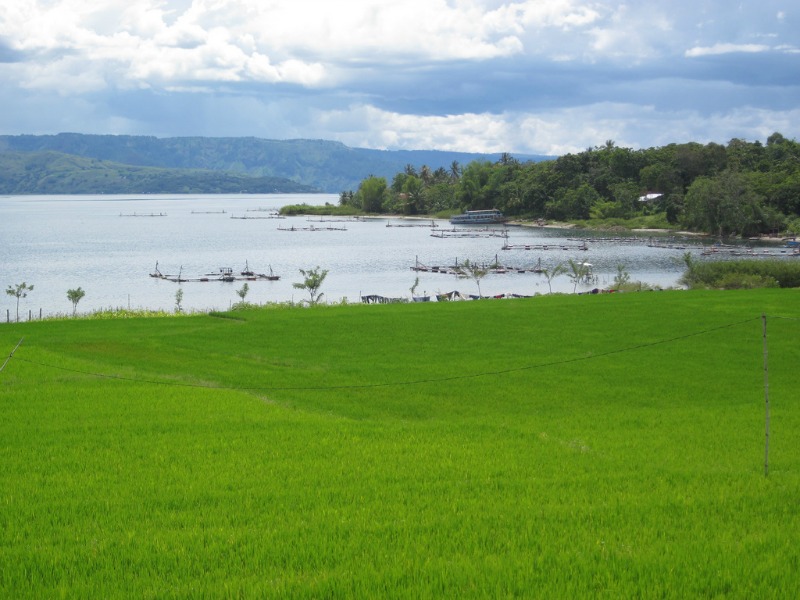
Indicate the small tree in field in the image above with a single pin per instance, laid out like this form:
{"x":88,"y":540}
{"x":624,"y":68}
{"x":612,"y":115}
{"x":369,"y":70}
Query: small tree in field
{"x":551,"y":274}
{"x":179,"y":300}
{"x":578,"y":273}
{"x":622,"y":277}
{"x":75,"y":296}
{"x":19,"y":290}
{"x":312,"y":281}
{"x":414,"y":287}
{"x":472,"y":271}
{"x":242,"y":293}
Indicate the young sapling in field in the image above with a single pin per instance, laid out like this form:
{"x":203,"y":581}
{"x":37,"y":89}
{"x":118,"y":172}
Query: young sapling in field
{"x":18,"y":291}
{"x":75,"y":296}
{"x":179,"y":300}
{"x":472,"y":271}
{"x":312,"y":281}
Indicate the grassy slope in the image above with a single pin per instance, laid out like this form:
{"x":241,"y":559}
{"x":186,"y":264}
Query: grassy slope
{"x":441,"y":450}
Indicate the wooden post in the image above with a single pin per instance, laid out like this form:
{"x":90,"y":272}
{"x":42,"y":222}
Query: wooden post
{"x":766,"y":398}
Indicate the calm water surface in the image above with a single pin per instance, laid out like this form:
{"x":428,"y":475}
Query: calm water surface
{"x":57,"y":243}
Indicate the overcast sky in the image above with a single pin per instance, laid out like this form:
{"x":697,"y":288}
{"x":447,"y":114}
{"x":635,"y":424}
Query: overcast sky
{"x":519,"y":76}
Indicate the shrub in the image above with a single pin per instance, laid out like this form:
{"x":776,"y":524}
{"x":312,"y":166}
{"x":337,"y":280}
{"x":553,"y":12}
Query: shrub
{"x":746,"y":281}
{"x":714,"y":274}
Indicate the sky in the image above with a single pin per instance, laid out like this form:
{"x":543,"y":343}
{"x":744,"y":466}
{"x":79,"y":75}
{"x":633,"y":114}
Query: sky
{"x":518,"y":76}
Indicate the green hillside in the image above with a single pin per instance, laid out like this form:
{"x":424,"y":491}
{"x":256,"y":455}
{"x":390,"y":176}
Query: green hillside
{"x":56,"y":173}
{"x":324,"y":165}
{"x":599,"y":446}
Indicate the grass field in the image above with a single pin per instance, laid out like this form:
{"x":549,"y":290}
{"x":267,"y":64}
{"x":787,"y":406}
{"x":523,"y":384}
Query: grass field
{"x":608,"y":446}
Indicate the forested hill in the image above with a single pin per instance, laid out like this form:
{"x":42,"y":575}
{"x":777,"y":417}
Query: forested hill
{"x":326,"y":166}
{"x":58,"y":173}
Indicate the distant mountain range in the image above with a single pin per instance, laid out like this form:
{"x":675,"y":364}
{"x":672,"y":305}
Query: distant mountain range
{"x":79,"y":163}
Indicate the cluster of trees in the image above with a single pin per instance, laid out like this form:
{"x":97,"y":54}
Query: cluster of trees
{"x":742,"y":188}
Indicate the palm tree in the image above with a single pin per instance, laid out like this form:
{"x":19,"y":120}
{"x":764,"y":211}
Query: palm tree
{"x":551,"y":274}
{"x":474,"y":272}
{"x":578,"y":272}
{"x":455,"y":170}
{"x":425,"y":174}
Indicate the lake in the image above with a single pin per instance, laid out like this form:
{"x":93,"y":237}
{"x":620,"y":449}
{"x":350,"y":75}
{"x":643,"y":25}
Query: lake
{"x":109,"y":246}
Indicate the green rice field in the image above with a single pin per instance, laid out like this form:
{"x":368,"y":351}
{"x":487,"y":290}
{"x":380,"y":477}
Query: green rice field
{"x":565,"y":446}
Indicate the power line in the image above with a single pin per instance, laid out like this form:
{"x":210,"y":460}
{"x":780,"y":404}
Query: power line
{"x":12,"y":353}
{"x":397,"y":383}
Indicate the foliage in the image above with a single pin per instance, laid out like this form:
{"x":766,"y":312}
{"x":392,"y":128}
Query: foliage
{"x":344,"y":210}
{"x":119,"y":313}
{"x":622,"y":278}
{"x":724,"y":204}
{"x":741,"y":189}
{"x":371,"y":194}
{"x":179,"y":300}
{"x":553,"y":272}
{"x":636,"y":286}
{"x":474,"y":271}
{"x":414,"y":286}
{"x":747,"y":273}
{"x":579,"y":272}
{"x":19,"y":290}
{"x":558,"y":446}
{"x":745,"y":281}
{"x":75,"y":296}
{"x":312,"y":282}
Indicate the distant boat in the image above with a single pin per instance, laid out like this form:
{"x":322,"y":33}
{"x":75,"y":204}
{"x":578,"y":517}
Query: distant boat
{"x":479,"y":217}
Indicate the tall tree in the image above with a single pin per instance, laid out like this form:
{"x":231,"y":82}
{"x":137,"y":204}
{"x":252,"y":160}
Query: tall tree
{"x":455,"y":170}
{"x":425,"y":174}
{"x":372,"y":192}
{"x":725,"y":204}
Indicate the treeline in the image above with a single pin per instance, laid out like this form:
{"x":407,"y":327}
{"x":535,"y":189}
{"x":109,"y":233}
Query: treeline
{"x":742,"y":188}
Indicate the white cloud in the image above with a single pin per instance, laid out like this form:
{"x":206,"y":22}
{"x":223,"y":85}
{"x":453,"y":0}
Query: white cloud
{"x":534,"y":76}
{"x":725,"y":48}
{"x":553,"y":132}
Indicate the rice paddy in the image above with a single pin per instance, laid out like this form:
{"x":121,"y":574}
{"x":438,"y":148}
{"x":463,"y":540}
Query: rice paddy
{"x":560,"y":446}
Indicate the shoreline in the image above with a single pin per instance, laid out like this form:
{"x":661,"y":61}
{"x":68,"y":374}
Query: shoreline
{"x":565,"y":225}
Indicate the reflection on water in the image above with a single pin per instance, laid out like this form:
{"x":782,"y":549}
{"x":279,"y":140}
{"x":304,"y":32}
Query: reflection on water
{"x":57,"y":243}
